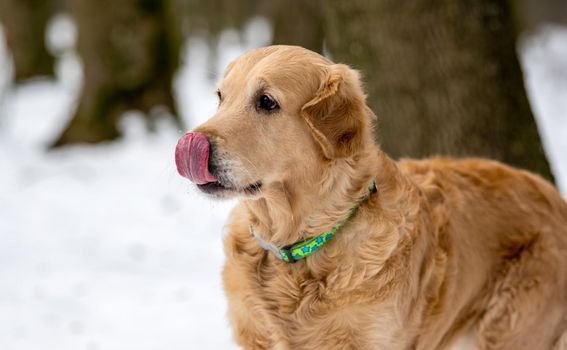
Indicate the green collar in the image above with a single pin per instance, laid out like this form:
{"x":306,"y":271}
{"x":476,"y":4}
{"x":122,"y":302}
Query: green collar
{"x":304,"y":248}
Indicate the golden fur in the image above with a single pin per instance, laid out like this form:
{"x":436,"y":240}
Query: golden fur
{"x":443,"y":248}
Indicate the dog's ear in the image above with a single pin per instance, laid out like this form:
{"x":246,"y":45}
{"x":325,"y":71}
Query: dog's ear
{"x":338,"y":116}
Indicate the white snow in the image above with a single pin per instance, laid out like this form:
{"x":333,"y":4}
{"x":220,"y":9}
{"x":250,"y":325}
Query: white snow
{"x":544,"y":58}
{"x":106,"y":247}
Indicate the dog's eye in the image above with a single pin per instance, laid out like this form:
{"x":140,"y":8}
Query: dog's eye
{"x":219,"y":95}
{"x":266,"y":103}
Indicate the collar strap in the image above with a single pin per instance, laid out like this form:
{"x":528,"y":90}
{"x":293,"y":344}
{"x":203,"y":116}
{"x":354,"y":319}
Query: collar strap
{"x":302,"y":249}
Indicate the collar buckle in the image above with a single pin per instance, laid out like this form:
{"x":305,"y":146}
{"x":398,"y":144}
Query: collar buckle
{"x":285,"y":254}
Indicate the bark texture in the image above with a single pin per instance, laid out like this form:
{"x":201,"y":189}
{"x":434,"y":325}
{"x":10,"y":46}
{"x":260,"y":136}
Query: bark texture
{"x":298,"y":22}
{"x":24,"y":23}
{"x":130,"y":51}
{"x":442,"y":76}
{"x":532,"y":14}
{"x":211,"y":17}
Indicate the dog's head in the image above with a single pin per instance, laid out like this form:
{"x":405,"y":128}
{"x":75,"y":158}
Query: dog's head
{"x":285,"y":114}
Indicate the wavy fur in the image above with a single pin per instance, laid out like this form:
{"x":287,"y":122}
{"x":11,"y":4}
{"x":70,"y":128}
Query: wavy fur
{"x":443,"y":248}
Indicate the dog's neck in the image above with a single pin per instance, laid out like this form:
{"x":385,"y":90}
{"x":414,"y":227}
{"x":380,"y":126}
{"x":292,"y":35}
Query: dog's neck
{"x":284,"y":215}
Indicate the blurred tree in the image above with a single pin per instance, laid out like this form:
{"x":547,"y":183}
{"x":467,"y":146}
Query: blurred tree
{"x":208,"y":19}
{"x":24,"y":23}
{"x":130,"y":51}
{"x":298,"y":22}
{"x":213,"y":16}
{"x":532,"y":14}
{"x":442,"y":76}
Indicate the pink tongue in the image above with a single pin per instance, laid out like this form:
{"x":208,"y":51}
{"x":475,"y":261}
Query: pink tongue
{"x":192,"y":158}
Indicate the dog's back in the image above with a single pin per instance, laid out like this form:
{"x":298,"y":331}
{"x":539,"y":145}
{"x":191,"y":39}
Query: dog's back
{"x":505,"y":233}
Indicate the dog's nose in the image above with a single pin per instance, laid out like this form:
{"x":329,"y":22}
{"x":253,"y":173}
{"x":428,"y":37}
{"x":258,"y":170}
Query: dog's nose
{"x":192,"y":158}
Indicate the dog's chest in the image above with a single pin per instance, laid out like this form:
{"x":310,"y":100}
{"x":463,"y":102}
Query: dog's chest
{"x":304,"y":315}
{"x":277,"y":306}
{"x":347,"y":328}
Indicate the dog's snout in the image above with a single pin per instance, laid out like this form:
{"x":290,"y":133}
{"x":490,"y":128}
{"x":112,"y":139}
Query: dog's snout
{"x":192,"y":158}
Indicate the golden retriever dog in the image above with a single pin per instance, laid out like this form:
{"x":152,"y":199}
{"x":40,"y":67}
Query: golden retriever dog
{"x":410,"y":254}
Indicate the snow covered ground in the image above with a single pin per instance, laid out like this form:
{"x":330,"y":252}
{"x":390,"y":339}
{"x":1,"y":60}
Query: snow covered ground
{"x":107,"y":248}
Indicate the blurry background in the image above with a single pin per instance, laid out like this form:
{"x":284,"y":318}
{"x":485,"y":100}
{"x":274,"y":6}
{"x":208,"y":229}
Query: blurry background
{"x":104,"y":246}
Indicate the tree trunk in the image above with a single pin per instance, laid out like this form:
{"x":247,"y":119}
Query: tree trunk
{"x":442,"y":76}
{"x":532,"y":14}
{"x":130,"y":51}
{"x":24,"y":23}
{"x":211,"y":17}
{"x":298,"y":22}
